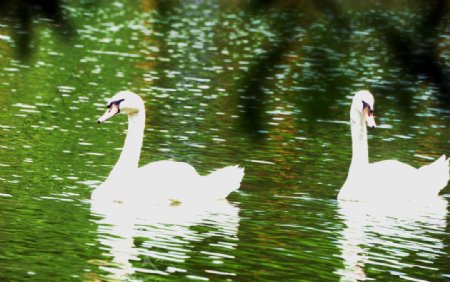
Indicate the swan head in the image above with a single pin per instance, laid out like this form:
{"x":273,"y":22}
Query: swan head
{"x":362,"y":108}
{"x":124,"y":102}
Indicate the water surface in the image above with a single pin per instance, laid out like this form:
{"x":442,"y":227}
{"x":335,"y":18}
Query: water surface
{"x":192,"y":64}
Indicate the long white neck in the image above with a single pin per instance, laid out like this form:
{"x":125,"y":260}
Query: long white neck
{"x":360,"y":149}
{"x":129,"y":158}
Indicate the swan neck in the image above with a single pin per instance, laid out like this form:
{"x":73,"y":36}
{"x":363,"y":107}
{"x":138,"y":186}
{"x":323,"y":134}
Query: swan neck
{"x":360,"y":148}
{"x":129,"y":157}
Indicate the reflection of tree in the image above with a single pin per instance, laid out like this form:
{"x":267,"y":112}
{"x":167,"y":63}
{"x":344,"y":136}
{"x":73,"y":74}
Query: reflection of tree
{"x":287,"y":31}
{"x":22,"y":13}
{"x":324,"y":48}
{"x":418,"y":53}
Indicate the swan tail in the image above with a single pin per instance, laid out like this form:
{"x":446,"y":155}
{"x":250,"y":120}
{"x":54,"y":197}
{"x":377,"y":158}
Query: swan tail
{"x":223,"y":181}
{"x":436,"y":175}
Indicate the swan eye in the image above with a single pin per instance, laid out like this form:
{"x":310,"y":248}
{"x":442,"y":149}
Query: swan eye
{"x":117,"y":103}
{"x":365,"y":105}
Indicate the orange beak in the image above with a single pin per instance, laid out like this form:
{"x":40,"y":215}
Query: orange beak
{"x":368,"y":116}
{"x":113,"y":110}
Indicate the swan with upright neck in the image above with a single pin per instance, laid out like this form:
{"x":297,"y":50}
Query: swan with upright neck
{"x":390,"y":179}
{"x":161,"y":180}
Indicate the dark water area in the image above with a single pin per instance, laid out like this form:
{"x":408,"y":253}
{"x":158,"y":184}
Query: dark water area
{"x":266,"y":85}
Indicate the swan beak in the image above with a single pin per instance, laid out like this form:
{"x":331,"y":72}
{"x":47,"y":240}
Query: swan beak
{"x":113,"y":110}
{"x":370,"y":120}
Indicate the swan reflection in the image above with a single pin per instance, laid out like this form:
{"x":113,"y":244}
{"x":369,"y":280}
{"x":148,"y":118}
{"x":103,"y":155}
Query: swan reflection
{"x":169,"y":236}
{"x":384,"y":235}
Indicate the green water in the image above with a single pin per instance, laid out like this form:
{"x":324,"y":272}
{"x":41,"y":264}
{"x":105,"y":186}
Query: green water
{"x":192,"y":63}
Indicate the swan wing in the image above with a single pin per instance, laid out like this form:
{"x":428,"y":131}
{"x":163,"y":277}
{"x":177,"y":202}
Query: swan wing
{"x":168,"y":179}
{"x":180,"y":181}
{"x":391,"y":180}
{"x":392,"y":170}
{"x":380,"y":181}
{"x":435,"y":176}
{"x":221,"y":182}
{"x":414,"y":183}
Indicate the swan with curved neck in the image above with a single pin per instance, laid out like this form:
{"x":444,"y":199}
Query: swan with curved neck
{"x":161,"y":180}
{"x":389,"y":179}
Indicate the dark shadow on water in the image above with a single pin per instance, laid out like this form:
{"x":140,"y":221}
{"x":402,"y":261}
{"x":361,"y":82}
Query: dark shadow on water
{"x":23,"y":15}
{"x":415,"y":49}
{"x":287,"y":30}
{"x":418,"y":52}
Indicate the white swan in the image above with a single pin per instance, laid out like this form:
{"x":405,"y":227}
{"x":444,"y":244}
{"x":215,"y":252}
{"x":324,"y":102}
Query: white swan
{"x":390,"y":179}
{"x":161,"y":180}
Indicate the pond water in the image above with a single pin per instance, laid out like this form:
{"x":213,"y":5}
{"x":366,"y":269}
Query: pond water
{"x":196,"y":65}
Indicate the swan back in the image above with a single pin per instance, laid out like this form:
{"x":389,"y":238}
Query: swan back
{"x":180,"y":181}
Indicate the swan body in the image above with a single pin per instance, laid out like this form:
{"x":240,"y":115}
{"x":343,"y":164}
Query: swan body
{"x":161,"y":180}
{"x":390,"y":179}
